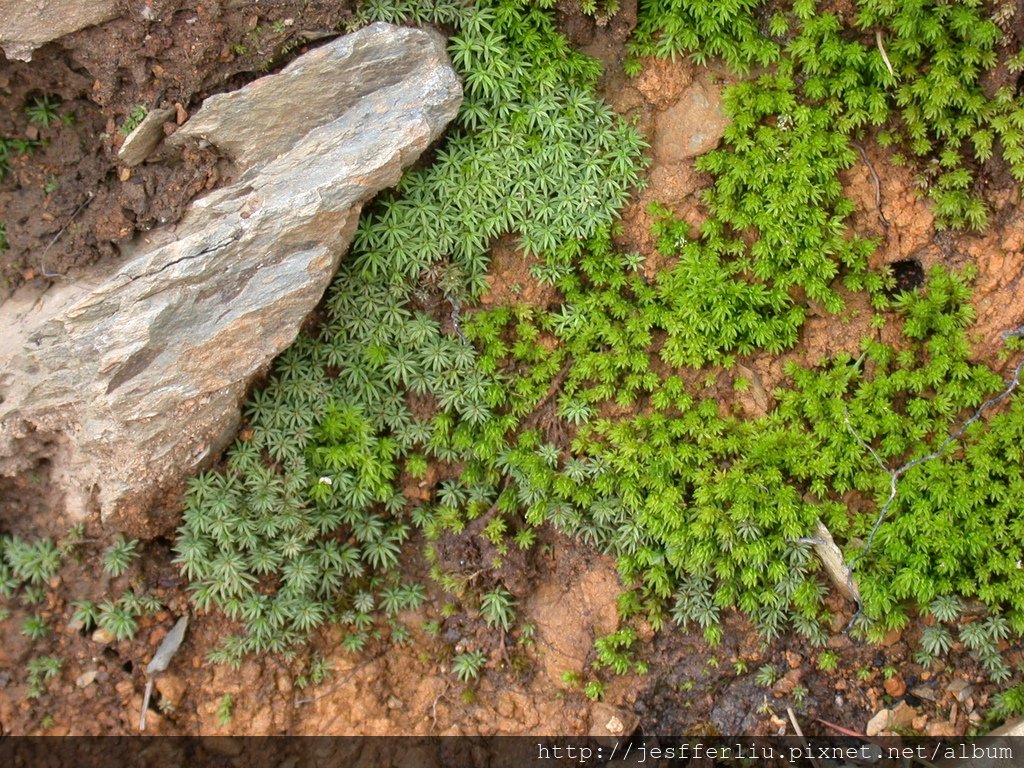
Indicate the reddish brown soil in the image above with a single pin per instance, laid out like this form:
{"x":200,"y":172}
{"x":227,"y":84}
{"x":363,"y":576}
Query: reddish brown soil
{"x":388,"y":689}
{"x":909,"y":233}
{"x":509,"y":280}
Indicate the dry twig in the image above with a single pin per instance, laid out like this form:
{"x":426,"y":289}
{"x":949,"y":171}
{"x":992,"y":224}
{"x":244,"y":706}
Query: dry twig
{"x":800,"y":733}
{"x":44,"y":272}
{"x":895,"y":474}
{"x":877,"y":183}
{"x":881,"y":49}
{"x":433,"y":707}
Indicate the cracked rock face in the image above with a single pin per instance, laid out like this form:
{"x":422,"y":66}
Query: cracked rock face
{"x":128,"y":378}
{"x":28,"y":24}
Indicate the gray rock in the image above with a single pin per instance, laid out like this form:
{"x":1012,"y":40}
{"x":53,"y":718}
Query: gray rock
{"x":924,"y":693}
{"x":961,"y":690}
{"x":27,"y":24}
{"x":145,"y":137}
{"x":169,"y":647}
{"x":127,"y":379}
{"x":266,"y":118}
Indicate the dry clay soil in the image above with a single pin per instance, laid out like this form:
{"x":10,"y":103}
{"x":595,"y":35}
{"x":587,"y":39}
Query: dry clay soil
{"x":566,"y":593}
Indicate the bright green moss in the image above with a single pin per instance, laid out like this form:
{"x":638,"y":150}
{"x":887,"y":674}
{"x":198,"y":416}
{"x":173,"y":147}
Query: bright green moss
{"x":916,"y":68}
{"x":703,"y":511}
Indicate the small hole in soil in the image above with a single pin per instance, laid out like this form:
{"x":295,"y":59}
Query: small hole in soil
{"x":908,"y":273}
{"x":128,"y":666}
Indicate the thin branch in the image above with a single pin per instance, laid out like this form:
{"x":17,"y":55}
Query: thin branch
{"x":877,"y":182}
{"x":840,"y":729}
{"x":537,"y":413}
{"x":869,"y":740}
{"x":895,"y":474}
{"x":45,"y":273}
{"x":433,"y":707}
{"x":799,"y":732}
{"x":898,"y":472}
{"x":1016,"y":333}
{"x":145,"y":703}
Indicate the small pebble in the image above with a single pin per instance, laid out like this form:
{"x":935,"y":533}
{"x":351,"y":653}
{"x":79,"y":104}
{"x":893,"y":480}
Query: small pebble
{"x":895,"y":686}
{"x":102,"y":636}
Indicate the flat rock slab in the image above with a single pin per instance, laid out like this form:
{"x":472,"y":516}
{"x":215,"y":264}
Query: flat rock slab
{"x":28,"y":24}
{"x":260,"y":121}
{"x":128,"y":379}
{"x":146,"y":136}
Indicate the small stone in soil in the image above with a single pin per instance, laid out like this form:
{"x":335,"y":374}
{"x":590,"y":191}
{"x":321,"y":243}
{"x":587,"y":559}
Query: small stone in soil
{"x":612,"y":724}
{"x":891,"y":638}
{"x":157,"y":635}
{"x":903,"y":715}
{"x":878,"y":723}
{"x":171,"y":689}
{"x":924,"y":693}
{"x":102,"y":636}
{"x":895,"y":686}
{"x":960,"y":689}
{"x":941,"y":728}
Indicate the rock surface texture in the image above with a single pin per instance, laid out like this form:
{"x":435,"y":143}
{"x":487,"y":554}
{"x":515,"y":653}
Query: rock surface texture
{"x":27,"y":24}
{"x":145,"y":137}
{"x":127,"y":379}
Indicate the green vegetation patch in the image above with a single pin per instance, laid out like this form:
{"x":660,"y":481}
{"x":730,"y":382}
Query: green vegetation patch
{"x":507,"y":411}
{"x":914,"y":69}
{"x":307,"y":522}
{"x":706,"y":512}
